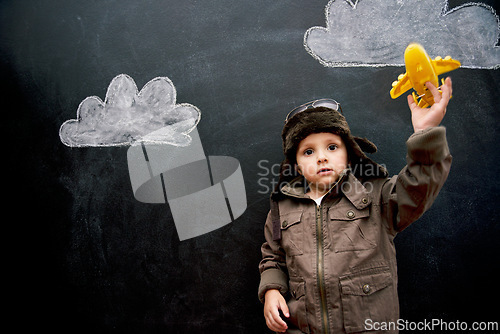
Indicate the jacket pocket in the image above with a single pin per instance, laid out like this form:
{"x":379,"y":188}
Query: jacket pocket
{"x":297,"y":306}
{"x":292,"y":233}
{"x":351,"y":229}
{"x":368,"y":295}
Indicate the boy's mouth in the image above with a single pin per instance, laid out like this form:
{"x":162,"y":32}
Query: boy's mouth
{"x":324,"y":171}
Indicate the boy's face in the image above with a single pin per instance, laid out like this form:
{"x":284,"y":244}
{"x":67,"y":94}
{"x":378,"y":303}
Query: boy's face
{"x":321,"y":157}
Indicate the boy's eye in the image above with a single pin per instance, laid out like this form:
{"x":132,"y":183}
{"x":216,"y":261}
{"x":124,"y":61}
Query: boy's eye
{"x":332,"y":147}
{"x":308,"y":152}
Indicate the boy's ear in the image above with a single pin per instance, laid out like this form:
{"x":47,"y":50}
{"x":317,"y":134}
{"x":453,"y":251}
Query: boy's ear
{"x":297,"y":168}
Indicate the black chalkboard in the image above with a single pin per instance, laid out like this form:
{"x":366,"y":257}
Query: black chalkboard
{"x":86,"y":256}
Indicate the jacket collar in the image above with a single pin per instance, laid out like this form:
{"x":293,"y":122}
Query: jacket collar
{"x":349,"y":186}
{"x":356,"y":192}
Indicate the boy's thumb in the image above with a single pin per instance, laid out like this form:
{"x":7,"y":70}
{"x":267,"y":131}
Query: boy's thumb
{"x":284,"y":308}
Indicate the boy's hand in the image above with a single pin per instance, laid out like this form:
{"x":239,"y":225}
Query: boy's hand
{"x":423,"y":118}
{"x":274,"y":302}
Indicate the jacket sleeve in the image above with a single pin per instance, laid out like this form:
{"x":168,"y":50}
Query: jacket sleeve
{"x":272,"y":267}
{"x":409,"y":194}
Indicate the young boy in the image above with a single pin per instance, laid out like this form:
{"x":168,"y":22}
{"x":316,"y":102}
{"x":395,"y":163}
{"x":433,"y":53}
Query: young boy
{"x":329,"y":262}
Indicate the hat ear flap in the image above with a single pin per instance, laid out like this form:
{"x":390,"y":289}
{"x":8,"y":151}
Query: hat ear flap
{"x":366,"y":145}
{"x":288,"y":172}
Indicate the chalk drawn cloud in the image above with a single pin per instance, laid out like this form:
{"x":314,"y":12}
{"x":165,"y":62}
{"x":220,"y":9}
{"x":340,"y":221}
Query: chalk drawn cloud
{"x":127,"y":115}
{"x":166,"y":159}
{"x":375,"y":33}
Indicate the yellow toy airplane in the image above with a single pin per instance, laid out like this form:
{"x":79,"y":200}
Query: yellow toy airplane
{"x":420,"y":68}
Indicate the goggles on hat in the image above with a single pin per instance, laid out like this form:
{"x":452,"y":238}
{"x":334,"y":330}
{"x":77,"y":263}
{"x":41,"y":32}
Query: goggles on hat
{"x":327,"y":103}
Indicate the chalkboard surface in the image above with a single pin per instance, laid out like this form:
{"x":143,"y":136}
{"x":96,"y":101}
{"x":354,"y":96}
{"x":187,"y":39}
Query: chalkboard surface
{"x":86,"y":256}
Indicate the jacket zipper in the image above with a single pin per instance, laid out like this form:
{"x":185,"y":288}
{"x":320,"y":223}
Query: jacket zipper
{"x":320,"y":269}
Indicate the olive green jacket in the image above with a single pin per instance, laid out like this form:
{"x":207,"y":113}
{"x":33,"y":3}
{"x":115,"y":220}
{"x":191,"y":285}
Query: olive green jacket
{"x":336,"y":263}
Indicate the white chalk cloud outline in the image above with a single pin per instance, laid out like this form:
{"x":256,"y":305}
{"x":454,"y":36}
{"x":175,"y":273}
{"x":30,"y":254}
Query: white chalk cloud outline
{"x":127,"y":115}
{"x":375,"y":33}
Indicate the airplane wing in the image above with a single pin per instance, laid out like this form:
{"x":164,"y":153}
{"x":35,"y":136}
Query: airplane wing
{"x":401,"y":85}
{"x":445,"y":65}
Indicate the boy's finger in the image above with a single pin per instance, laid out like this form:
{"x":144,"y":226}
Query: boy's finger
{"x":278,"y":321}
{"x":275,"y":328}
{"x":434,"y":91}
{"x":446,"y":95}
{"x":446,"y":88}
{"x":275,"y":323}
{"x":411,"y":102}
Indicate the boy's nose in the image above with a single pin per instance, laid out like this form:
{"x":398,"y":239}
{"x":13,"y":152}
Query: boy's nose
{"x":322,"y":159}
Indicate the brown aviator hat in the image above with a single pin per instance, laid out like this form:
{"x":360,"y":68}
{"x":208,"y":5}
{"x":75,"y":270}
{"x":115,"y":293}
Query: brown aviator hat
{"x":316,"y":119}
